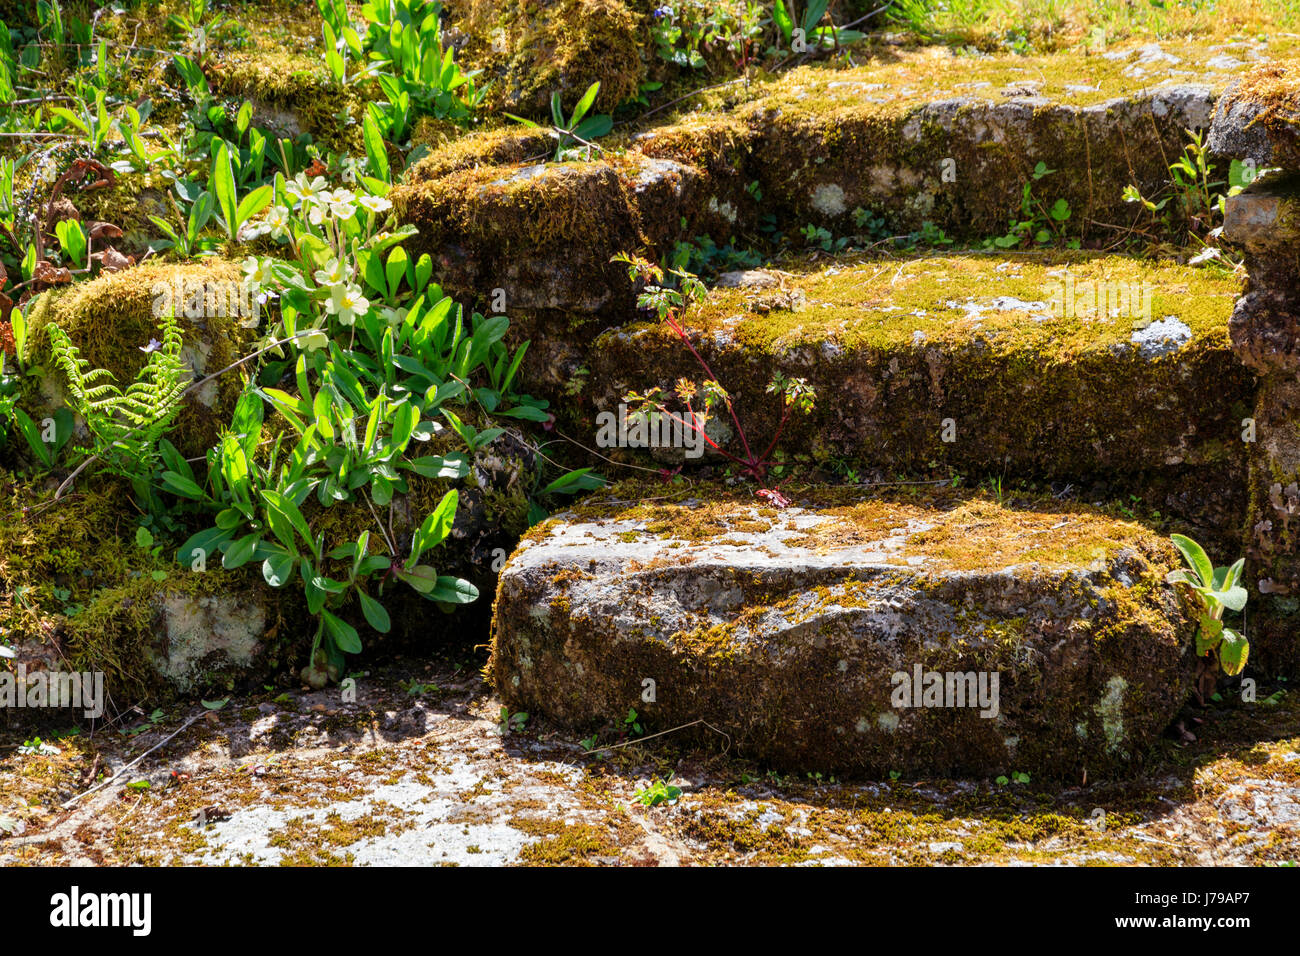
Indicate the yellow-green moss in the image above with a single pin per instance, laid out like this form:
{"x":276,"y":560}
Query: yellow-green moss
{"x":536,"y":47}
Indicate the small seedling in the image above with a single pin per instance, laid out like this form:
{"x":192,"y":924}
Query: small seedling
{"x":659,"y":792}
{"x":632,"y":723}
{"x":509,"y":723}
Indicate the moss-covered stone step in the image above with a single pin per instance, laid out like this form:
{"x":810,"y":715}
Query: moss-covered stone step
{"x":809,"y":635}
{"x":972,"y":362}
{"x":919,"y":135}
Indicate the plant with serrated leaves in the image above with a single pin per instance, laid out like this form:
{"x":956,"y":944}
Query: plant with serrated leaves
{"x":1213,"y":591}
{"x":699,"y":401}
{"x":126,"y":425}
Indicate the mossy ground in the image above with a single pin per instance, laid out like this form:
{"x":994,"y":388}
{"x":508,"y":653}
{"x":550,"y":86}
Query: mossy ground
{"x":305,"y":780}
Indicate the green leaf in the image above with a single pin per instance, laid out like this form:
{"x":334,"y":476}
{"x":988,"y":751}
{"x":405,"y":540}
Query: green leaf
{"x":783,"y":21}
{"x":1233,"y":653}
{"x":584,"y":104}
{"x":435,"y":527}
{"x":1195,"y":556}
{"x":1234,"y":599}
{"x":344,"y":634}
{"x":252,"y":204}
{"x":283,"y":505}
{"x":376,"y":615}
{"x":222,"y":183}
{"x":278,"y":569}
{"x":376,"y":153}
{"x":241,"y":552}
{"x":450,"y":590}
{"x":421,"y":577}
{"x":452,"y":466}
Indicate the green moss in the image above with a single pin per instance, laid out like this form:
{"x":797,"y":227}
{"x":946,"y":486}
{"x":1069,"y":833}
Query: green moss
{"x":71,"y":573}
{"x":536,"y":47}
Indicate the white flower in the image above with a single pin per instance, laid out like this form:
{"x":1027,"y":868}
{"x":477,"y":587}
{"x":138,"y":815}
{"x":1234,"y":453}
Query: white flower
{"x":257,"y":273}
{"x":375,"y":203}
{"x":318,"y":212}
{"x":277,"y":218}
{"x":313,"y":339}
{"x":391,"y":316}
{"x":347,"y":302}
{"x":336,"y":273}
{"x":341,"y":203}
{"x":302,"y":190}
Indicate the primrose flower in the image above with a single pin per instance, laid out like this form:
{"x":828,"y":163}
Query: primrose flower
{"x":312,"y":339}
{"x":342,"y":203}
{"x":257,"y":273}
{"x":301,"y":190}
{"x":153,"y":346}
{"x":347,"y":302}
{"x":319,"y":211}
{"x":277,"y":218}
{"x":375,"y":203}
{"x":335,"y":274}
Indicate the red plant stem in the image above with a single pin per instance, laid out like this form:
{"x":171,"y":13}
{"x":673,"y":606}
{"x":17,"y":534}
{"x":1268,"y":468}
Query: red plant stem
{"x":785,"y":417}
{"x":681,"y":334}
{"x":703,"y":434}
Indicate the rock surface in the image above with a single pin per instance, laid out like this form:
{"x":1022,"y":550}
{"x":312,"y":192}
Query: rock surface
{"x":415,"y":771}
{"x":788,"y":630}
{"x":1257,"y":122}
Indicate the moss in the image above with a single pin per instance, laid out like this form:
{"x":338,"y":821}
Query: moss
{"x":951,"y":581}
{"x":955,"y":363}
{"x":536,"y":47}
{"x":495,"y":147}
{"x":111,"y":318}
{"x":571,"y":845}
{"x":73,"y":577}
{"x":1274,"y":89}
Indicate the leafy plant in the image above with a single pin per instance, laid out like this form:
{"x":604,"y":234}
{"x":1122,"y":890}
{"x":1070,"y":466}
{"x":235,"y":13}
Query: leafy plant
{"x":1214,"y":591}
{"x":126,"y":425}
{"x":811,"y":35}
{"x":508,"y":723}
{"x":659,"y":793}
{"x":1038,"y":222}
{"x":1199,"y":199}
{"x":668,"y":302}
{"x":574,"y":136}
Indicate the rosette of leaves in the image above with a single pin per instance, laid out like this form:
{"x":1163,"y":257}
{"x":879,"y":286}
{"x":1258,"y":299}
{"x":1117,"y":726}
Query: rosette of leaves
{"x":1214,"y":591}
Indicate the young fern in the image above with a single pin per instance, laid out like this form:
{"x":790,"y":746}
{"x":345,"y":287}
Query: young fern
{"x":126,"y":425}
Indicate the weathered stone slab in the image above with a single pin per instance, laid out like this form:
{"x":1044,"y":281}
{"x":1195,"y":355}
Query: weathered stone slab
{"x":1056,"y":367}
{"x":799,"y":632}
{"x":929,"y":137}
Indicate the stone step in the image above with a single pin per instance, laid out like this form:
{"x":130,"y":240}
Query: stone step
{"x":924,"y":135}
{"x":800,"y":633}
{"x":977,"y":364}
